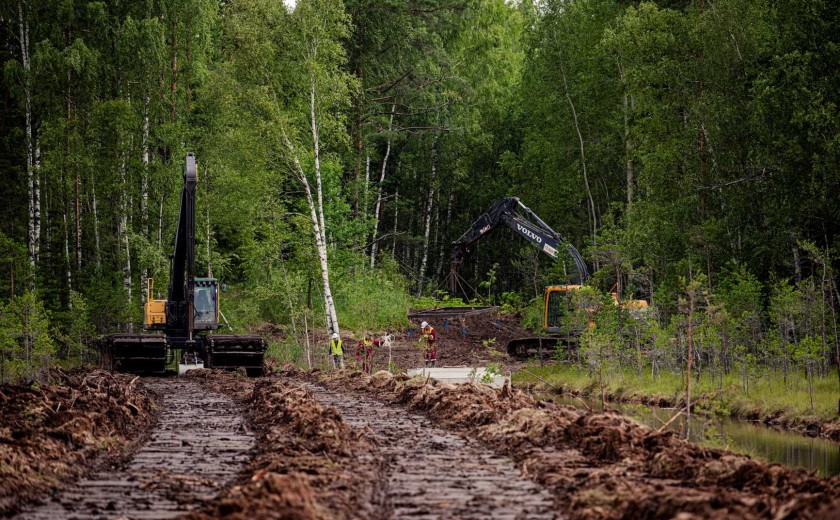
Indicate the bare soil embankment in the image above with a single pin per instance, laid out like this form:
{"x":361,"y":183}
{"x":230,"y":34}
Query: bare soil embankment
{"x":605,"y":466}
{"x":52,"y":434}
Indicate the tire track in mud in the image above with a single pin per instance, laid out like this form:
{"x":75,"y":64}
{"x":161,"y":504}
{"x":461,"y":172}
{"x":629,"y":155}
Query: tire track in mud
{"x":199,"y":444}
{"x":434,"y":474}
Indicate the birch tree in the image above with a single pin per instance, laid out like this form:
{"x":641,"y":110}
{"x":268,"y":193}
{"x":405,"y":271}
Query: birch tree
{"x":319,"y":26}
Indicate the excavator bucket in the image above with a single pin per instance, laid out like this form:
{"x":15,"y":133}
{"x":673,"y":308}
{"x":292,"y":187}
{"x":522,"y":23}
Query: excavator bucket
{"x":231,"y":352}
{"x":135,"y":353}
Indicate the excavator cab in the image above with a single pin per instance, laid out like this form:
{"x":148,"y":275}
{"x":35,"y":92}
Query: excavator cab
{"x":206,"y":304}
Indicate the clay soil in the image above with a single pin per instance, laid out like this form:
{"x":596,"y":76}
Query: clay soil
{"x":485,"y":342}
{"x":52,"y":434}
{"x":327,"y":454}
{"x":600,"y":465}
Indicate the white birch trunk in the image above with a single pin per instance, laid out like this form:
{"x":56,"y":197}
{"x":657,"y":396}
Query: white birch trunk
{"x":374,"y":244}
{"x":446,"y":223}
{"x":32,"y":176}
{"x":36,"y":205}
{"x":366,"y":188}
{"x":97,"y":244}
{"x":144,"y":189}
{"x":428,"y":221}
{"x":592,"y":212}
{"x":68,"y":277}
{"x":628,"y":145}
{"x":396,"y":221}
{"x":123,"y":232}
{"x":329,"y":304}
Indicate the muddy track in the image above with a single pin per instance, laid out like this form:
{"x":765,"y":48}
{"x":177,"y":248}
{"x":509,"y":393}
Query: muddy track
{"x":199,"y":444}
{"x":435,"y":474}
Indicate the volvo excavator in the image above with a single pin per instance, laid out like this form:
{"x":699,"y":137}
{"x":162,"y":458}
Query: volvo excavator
{"x":179,"y":327}
{"x":524,"y":222}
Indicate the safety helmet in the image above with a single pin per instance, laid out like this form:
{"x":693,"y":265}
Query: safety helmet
{"x":335,"y":335}
{"x":424,"y":324}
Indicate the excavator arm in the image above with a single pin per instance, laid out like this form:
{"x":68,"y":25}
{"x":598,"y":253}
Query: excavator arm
{"x":179,"y":303}
{"x":527,"y":224}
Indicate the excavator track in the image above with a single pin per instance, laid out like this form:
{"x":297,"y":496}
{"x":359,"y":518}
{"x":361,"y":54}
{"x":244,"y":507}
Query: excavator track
{"x":135,"y":353}
{"x":527,"y":348}
{"x":231,"y":352}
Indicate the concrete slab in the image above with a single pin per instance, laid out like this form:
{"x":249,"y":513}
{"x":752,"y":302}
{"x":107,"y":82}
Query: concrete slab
{"x":460,"y":375}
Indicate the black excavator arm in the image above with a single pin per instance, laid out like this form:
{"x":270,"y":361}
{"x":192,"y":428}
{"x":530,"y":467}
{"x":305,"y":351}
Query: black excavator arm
{"x":529,"y":226}
{"x":179,"y":301}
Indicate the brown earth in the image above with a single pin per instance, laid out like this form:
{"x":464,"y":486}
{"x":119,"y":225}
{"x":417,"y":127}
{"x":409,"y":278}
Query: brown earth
{"x":485,"y":342}
{"x":309,"y":463}
{"x":52,"y":434}
{"x":604,"y":465}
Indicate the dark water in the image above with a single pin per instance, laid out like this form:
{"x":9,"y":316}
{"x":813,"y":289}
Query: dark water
{"x":759,"y":441}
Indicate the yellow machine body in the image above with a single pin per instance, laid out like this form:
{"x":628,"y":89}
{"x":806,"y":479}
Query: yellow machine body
{"x":154,"y":313}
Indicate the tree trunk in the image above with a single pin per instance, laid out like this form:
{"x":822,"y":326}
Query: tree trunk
{"x":144,"y":188}
{"x":329,"y":304}
{"x":421,"y":272}
{"x":32,"y":176}
{"x":396,"y":222}
{"x":97,"y":244}
{"x":374,"y":245}
{"x":592,"y":212}
{"x":123,"y":236}
{"x":628,"y":144}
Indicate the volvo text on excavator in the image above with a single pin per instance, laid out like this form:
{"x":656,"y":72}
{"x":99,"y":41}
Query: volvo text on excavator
{"x":511,"y":212}
{"x":180,"y":327}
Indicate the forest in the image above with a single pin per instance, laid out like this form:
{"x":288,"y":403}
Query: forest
{"x":689,"y":149}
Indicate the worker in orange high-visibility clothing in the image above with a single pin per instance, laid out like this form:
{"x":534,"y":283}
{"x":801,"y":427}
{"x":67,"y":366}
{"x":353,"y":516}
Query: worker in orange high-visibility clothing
{"x":337,"y":351}
{"x":364,"y":352}
{"x":430,"y":348}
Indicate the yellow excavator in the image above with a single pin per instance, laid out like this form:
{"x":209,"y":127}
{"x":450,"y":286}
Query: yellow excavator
{"x":524,"y":222}
{"x":180,"y":327}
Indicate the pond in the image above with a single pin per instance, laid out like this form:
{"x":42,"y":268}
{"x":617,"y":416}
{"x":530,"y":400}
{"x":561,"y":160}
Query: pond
{"x":755,"y":439}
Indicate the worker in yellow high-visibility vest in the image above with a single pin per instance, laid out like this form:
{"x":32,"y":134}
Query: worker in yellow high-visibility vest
{"x":337,"y":351}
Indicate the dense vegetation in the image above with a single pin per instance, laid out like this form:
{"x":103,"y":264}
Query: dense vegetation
{"x":689,"y":148}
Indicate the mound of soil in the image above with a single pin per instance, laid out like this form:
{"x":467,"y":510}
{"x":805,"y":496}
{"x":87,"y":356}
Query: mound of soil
{"x":486,"y":340}
{"x":310,"y":464}
{"x":605,"y":465}
{"x":52,"y":434}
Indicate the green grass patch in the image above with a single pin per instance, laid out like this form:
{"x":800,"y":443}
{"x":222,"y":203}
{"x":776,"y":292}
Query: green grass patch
{"x":768,"y":396}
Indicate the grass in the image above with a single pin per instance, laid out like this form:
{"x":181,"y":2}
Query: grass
{"x":768,"y":396}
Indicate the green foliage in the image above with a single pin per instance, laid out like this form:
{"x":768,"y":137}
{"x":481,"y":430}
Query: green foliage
{"x":26,"y":346}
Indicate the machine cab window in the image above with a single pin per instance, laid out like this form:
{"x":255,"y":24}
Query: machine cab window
{"x":205,"y":303}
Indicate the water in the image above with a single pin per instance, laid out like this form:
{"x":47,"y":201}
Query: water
{"x":753,"y":439}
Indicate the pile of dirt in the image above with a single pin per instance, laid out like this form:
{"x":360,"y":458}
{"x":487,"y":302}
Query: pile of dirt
{"x":486,"y":340}
{"x":310,"y":464}
{"x":606,"y":465}
{"x":52,"y":434}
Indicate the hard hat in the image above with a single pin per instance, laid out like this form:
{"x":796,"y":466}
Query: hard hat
{"x":424,"y":324}
{"x":335,"y":335}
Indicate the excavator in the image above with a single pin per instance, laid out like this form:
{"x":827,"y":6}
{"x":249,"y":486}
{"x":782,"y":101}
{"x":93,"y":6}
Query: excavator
{"x":524,"y":222}
{"x":179,"y":327}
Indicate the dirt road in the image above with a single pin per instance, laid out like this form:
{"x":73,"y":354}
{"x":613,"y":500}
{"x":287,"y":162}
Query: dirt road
{"x":199,"y":444}
{"x":434,"y":474}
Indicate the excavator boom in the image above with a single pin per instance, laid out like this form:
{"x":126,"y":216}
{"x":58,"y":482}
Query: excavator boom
{"x":530,"y":227}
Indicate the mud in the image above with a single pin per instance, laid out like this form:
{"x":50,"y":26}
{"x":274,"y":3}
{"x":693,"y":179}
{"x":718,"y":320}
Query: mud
{"x":431,"y":473}
{"x":52,"y":434}
{"x":602,"y":465}
{"x":199,"y":443}
{"x":485,"y":342}
{"x":309,"y":463}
